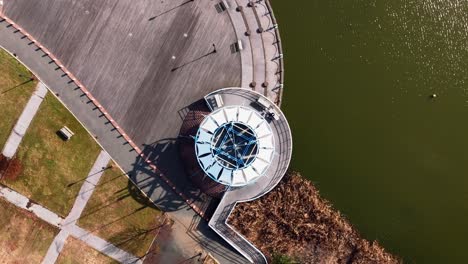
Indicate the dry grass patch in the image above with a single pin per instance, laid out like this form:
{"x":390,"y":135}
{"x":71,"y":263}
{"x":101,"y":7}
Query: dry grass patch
{"x":118,"y":213}
{"x":23,"y":237}
{"x":15,"y":91}
{"x":75,"y":251}
{"x":53,"y":170}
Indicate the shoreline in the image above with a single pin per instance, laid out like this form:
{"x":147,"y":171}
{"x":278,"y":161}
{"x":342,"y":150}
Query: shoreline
{"x":311,"y":231}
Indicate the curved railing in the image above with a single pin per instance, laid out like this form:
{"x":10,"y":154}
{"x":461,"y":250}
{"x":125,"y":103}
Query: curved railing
{"x":267,"y":28}
{"x":219,"y":220}
{"x":279,"y":46}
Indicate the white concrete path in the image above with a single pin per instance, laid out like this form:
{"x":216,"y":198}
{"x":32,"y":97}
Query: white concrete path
{"x":87,"y":189}
{"x":92,"y":241}
{"x":17,"y":134}
{"x":82,"y":199}
{"x":23,"y":202}
{"x":101,"y":245}
{"x":56,"y":247}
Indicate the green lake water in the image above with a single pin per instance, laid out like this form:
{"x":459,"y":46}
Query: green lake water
{"x":359,"y":75}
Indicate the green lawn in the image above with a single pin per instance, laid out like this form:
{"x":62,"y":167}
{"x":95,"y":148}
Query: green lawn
{"x":76,"y":251}
{"x":13,"y":95}
{"x":51,"y":166}
{"x":113,"y":214}
{"x":23,"y":237}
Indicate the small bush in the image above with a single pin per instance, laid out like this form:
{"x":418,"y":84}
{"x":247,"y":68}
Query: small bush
{"x":282,"y":259}
{"x":14,"y":170}
{"x":3,"y":164}
{"x":10,"y":169}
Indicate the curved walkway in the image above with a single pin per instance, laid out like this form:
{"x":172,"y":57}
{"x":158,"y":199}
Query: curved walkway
{"x":262,"y":58}
{"x":276,"y":171}
{"x":111,"y":138}
{"x":262,"y":70}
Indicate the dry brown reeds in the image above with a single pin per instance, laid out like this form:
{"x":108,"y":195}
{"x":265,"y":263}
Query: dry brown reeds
{"x":294,"y":220}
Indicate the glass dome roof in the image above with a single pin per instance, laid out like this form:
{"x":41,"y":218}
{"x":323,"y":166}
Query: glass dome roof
{"x":234,"y":145}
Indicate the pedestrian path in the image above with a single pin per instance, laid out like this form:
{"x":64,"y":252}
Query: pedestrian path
{"x":18,"y":132}
{"x":24,"y":203}
{"x":69,"y":224}
{"x":261,"y":55}
{"x":56,"y":247}
{"x":87,"y":189}
{"x":101,"y":245}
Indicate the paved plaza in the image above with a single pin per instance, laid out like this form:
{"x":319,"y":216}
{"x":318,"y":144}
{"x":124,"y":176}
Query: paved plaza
{"x":128,"y":70}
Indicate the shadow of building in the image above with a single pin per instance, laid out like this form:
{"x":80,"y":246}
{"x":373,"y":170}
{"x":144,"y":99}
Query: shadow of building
{"x":175,"y":160}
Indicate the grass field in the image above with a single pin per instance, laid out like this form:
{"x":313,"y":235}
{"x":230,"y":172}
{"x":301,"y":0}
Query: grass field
{"x":113,"y":214}
{"x":23,"y":237}
{"x":15,"y":91}
{"x":53,"y":169}
{"x":77,"y":252}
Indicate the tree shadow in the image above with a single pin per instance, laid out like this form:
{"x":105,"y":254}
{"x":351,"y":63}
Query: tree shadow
{"x":170,"y":10}
{"x":140,"y":197}
{"x":17,"y":86}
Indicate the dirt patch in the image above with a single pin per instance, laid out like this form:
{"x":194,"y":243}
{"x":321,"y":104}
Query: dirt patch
{"x":10,"y":169}
{"x":293,"y":220}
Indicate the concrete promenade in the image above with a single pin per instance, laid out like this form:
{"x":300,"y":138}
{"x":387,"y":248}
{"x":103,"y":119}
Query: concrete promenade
{"x":193,"y":234}
{"x":262,"y":58}
{"x":19,"y":130}
{"x":126,"y":68}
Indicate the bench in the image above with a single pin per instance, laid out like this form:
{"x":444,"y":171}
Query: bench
{"x":263,"y":102}
{"x":66,"y":133}
{"x":218,"y":100}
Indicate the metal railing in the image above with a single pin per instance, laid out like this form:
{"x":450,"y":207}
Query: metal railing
{"x":279,"y":47}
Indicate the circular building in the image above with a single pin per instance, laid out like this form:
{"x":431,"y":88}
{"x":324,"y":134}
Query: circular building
{"x":235,"y":141}
{"x":235,"y":145}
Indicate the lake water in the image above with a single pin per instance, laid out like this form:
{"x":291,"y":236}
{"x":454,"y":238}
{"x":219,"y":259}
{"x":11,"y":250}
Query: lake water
{"x":359,"y":75}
